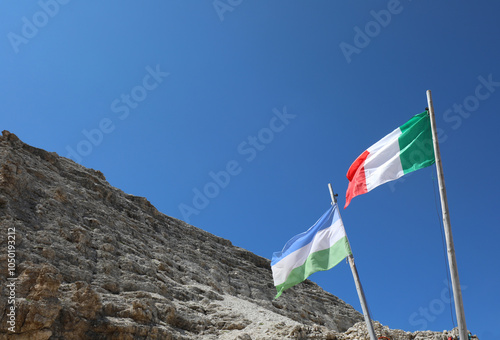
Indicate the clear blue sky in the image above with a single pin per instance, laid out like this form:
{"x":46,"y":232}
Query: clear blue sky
{"x":258,"y":105}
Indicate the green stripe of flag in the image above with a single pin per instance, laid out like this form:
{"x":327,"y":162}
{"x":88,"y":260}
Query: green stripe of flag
{"x":415,"y":143}
{"x":318,"y":261}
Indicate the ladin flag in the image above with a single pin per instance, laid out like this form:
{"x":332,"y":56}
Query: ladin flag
{"x":321,"y":247}
{"x":406,"y":149}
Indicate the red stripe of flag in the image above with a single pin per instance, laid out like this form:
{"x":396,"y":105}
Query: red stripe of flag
{"x":357,"y":178}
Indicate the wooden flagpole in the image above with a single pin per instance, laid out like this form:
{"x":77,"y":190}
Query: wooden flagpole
{"x":455,"y":282}
{"x":359,"y":288}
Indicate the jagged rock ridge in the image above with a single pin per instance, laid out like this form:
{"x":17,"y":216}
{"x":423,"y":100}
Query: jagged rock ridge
{"x":95,"y":262}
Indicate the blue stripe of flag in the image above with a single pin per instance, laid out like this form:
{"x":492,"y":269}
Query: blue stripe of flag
{"x":306,"y":237}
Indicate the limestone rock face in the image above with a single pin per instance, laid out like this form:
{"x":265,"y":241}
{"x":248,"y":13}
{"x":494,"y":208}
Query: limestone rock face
{"x":93,"y":262}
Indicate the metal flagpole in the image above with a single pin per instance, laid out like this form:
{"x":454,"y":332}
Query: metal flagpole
{"x":455,"y":282}
{"x":359,"y":288}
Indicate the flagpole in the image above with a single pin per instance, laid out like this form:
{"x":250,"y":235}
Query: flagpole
{"x":359,"y":288}
{"x":455,"y":282}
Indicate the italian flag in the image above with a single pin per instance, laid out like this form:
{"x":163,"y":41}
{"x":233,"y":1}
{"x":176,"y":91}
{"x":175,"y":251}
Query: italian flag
{"x":406,"y":149}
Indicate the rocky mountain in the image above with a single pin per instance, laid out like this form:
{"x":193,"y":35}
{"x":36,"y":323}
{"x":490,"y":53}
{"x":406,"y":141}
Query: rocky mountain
{"x":83,"y":260}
